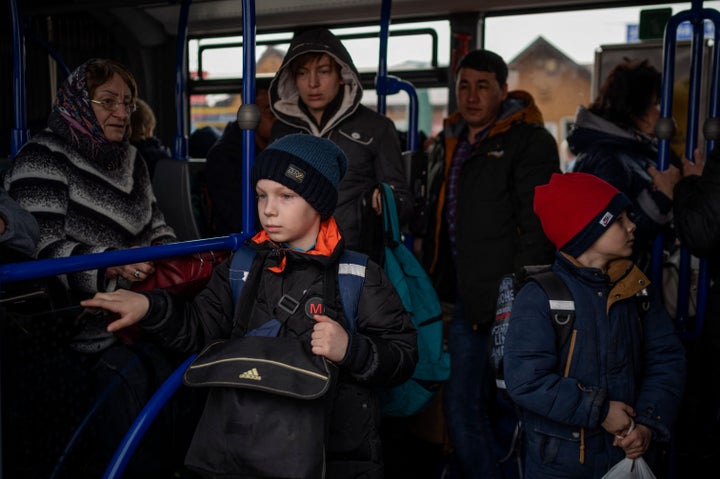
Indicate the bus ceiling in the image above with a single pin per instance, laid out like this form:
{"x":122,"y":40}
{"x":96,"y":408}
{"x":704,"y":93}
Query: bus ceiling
{"x":224,"y":16}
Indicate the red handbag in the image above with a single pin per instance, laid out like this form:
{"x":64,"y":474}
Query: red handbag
{"x":183,"y":275}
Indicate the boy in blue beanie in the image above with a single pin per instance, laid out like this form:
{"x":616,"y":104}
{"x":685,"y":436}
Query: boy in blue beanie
{"x":296,"y":262}
{"x":614,"y":389}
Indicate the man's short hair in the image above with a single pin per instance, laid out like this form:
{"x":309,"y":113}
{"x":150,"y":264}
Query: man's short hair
{"x":485,"y":61}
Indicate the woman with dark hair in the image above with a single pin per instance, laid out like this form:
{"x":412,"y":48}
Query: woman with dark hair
{"x":614,"y":139}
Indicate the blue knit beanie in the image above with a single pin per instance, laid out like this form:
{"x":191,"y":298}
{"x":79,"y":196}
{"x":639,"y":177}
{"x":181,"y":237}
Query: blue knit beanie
{"x":309,"y":165}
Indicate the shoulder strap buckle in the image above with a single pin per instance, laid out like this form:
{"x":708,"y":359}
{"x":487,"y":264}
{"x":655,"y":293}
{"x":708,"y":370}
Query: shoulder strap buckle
{"x":288,"y":304}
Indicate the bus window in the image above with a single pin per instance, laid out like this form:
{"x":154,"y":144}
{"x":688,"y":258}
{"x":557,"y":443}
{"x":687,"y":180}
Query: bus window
{"x":417,"y":52}
{"x":569,"y":48}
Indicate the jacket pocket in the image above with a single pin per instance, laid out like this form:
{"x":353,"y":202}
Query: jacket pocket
{"x":356,"y":136}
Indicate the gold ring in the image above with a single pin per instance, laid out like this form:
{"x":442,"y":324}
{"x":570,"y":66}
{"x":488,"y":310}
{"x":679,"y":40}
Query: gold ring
{"x":136,"y":273}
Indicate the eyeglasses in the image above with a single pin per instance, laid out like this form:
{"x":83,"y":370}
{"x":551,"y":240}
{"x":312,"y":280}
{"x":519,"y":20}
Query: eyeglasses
{"x":112,"y":105}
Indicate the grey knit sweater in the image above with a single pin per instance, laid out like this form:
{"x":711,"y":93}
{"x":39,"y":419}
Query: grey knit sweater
{"x":85,"y":206}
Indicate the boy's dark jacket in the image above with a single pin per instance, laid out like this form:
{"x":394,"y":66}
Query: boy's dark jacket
{"x":383,"y":351}
{"x":369,"y":140}
{"x":497,"y":230}
{"x":618,"y":355}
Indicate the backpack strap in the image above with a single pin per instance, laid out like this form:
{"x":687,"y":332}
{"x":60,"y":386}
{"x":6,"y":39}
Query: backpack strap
{"x":562,"y":305}
{"x":240,"y":269}
{"x":351,"y":278}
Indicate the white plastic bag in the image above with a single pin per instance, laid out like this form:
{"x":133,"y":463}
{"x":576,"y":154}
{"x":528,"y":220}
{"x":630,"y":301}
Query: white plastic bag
{"x":630,"y":469}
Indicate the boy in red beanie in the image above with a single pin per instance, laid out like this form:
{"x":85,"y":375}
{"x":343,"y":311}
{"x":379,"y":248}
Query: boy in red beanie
{"x":615,"y":388}
{"x":297,"y":262}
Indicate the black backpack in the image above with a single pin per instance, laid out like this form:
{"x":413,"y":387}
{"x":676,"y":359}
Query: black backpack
{"x":562,"y":311}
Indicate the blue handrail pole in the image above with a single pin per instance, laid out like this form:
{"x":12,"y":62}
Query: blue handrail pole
{"x":697,"y":20}
{"x":180,"y":145}
{"x":382,"y":66}
{"x":390,"y":85}
{"x":248,"y":192}
{"x":49,"y":267}
{"x":148,"y":414}
{"x":668,"y":73}
{"x":19,"y":133}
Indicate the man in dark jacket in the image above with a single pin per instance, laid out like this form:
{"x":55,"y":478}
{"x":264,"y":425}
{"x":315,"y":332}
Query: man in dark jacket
{"x":485,"y":165}
{"x":317,"y":91}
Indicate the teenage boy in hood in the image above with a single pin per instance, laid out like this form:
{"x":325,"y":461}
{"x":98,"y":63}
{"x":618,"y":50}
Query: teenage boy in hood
{"x":317,"y":91}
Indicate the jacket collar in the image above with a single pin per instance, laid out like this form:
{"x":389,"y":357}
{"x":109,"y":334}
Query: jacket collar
{"x":327,"y":246}
{"x":623,"y":278}
{"x":518,"y":107}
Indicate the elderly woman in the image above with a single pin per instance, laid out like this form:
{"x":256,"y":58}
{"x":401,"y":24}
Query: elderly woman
{"x":91,"y":192}
{"x":85,"y":184}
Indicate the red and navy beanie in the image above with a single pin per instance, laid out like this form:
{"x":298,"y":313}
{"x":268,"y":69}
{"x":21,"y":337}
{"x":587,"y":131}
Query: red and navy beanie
{"x":309,"y":165}
{"x":575,"y":209}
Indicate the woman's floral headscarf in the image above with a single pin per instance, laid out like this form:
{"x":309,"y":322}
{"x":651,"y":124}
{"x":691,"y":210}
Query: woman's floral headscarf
{"x":73,"y":118}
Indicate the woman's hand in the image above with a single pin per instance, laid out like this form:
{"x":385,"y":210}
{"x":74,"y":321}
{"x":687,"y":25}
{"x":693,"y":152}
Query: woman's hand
{"x":134,"y":273}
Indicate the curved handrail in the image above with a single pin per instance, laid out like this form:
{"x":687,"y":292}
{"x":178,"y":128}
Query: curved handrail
{"x":389,"y":85}
{"x":133,"y":437}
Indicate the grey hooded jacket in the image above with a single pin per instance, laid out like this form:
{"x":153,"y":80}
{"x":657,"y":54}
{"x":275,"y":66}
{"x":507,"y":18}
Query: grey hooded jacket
{"x":368,"y":139}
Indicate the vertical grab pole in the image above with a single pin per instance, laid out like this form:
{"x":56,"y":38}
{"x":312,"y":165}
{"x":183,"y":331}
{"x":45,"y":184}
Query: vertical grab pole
{"x":19,"y":133}
{"x":248,"y":99}
{"x":382,"y":66}
{"x":180,"y":145}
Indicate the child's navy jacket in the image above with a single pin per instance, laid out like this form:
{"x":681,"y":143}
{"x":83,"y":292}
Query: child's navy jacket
{"x":618,"y":355}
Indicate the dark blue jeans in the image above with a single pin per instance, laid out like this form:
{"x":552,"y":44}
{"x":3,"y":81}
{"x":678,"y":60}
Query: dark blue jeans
{"x":469,"y":395}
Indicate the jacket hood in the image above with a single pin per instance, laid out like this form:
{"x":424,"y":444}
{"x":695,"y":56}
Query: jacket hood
{"x":284,"y":96}
{"x":591,"y":129}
